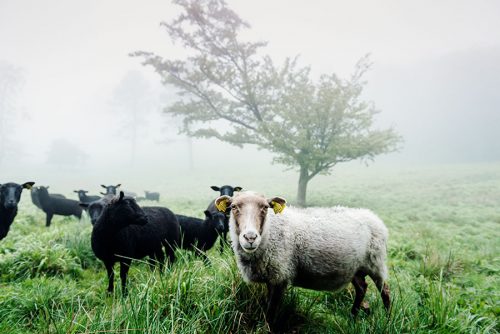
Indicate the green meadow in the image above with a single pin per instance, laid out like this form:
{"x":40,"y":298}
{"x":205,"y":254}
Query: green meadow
{"x":444,"y":262}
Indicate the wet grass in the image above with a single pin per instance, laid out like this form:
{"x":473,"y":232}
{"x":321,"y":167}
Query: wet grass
{"x":443,"y":258}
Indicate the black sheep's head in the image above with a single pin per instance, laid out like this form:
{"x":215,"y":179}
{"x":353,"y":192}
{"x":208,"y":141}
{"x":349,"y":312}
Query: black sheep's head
{"x":122,"y":211}
{"x":10,"y":193}
{"x":110,"y":190}
{"x":215,"y":220}
{"x":44,"y":191}
{"x":94,"y":209}
{"x":226,"y":190}
{"x":81,"y":193}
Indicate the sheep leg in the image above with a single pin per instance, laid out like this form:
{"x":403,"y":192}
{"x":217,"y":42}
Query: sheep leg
{"x":124,"y":267}
{"x":152,"y":262}
{"x":203,"y":255}
{"x":383,"y":288}
{"x":48,"y":219}
{"x":111,"y":276}
{"x":274,"y":296}
{"x":171,"y":254}
{"x":360,"y":287}
{"x":157,"y":258}
{"x":160,"y":257}
{"x":386,"y":297}
{"x":222,"y":241}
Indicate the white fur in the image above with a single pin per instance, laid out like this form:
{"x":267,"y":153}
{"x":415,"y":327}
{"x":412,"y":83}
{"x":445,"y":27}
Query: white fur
{"x":315,"y":248}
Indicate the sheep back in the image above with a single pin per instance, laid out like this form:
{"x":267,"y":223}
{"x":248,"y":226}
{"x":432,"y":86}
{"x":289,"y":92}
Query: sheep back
{"x":164,"y":220}
{"x":138,"y":241}
{"x":197,"y":233}
{"x":315,"y":248}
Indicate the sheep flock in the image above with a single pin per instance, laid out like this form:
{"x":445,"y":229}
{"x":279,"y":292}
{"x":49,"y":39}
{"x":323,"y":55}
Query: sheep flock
{"x":274,"y":244}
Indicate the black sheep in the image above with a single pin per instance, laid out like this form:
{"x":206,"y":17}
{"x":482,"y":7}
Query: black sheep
{"x":84,"y":198}
{"x":36,"y":200}
{"x":10,"y":194}
{"x":124,"y":232}
{"x":152,"y":196}
{"x":229,"y":191}
{"x":57,"y":206}
{"x":110,"y":190}
{"x":198,"y":234}
{"x":95,"y":208}
{"x":34,"y":197}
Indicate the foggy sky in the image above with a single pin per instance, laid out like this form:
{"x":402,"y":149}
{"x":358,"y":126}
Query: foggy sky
{"x":434,"y":74}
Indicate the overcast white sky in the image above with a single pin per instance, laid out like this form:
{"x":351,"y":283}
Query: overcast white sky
{"x":74,"y":53}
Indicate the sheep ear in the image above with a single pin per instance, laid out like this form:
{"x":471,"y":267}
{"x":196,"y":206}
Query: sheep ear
{"x":75,"y":191}
{"x":278,"y":204}
{"x":84,"y":205}
{"x":28,"y":185}
{"x":122,"y":194}
{"x":222,"y":203}
{"x":102,"y":193}
{"x":208,"y":214}
{"x":238,"y":188}
{"x":215,"y":188}
{"x":102,"y":185}
{"x":118,"y":185}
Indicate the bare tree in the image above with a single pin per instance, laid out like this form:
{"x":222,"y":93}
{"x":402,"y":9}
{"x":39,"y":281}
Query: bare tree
{"x":133,"y":99}
{"x":65,"y":154}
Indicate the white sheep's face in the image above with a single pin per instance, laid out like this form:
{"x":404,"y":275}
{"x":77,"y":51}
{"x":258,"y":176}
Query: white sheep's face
{"x":249,"y":211}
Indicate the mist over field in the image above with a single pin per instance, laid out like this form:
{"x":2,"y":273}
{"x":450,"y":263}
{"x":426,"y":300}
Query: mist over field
{"x":393,"y":106}
{"x":69,"y":117}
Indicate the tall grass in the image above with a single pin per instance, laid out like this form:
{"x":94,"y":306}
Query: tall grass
{"x":443,"y":260}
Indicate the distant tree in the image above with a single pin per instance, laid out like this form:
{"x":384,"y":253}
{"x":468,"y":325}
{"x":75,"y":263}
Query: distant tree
{"x":170,"y":129}
{"x":11,"y":81}
{"x":132,"y":98}
{"x":64,"y":153}
{"x":309,"y":125}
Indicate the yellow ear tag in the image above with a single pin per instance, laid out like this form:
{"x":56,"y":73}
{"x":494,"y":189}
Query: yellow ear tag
{"x":222,"y":205}
{"x":278,"y":208}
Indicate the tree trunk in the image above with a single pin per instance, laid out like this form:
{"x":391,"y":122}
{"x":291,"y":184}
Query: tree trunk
{"x":134,"y":136}
{"x":302,"y":190}
{"x":190,"y":154}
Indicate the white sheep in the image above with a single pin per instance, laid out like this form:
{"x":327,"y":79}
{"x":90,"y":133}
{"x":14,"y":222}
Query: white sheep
{"x":313,"y":248}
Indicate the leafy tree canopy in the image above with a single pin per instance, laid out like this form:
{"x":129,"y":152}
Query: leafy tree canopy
{"x":308,"y":124}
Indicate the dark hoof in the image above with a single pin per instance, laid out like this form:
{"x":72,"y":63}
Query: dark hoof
{"x":365,"y":307}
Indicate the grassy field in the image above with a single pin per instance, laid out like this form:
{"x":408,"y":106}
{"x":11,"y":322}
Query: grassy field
{"x":444,"y":261}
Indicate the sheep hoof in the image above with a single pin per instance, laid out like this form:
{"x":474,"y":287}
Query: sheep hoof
{"x":365,"y":307}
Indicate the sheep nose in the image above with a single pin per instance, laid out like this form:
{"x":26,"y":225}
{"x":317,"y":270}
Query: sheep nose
{"x":250,"y":236}
{"x":220,"y":226}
